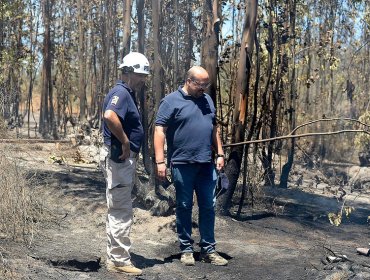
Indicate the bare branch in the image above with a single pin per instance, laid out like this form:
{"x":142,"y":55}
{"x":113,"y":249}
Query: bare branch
{"x":326,"y":120}
{"x":292,"y":135}
{"x":32,"y":140}
{"x":289,"y":136}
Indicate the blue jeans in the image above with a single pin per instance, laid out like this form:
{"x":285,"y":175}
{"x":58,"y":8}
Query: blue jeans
{"x":201,"y":178}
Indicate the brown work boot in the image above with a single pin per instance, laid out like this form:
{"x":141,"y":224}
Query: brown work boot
{"x":129,"y":269}
{"x":187,"y":259}
{"x":213,"y":258}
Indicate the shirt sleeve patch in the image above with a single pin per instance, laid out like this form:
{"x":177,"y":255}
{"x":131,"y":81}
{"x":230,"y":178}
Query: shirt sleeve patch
{"x":114,"y":100}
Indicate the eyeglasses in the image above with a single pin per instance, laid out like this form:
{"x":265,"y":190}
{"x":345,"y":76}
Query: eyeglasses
{"x":199,"y":84}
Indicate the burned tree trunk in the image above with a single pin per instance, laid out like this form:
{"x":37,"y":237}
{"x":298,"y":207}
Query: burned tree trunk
{"x":145,"y":111}
{"x":46,"y":110}
{"x":81,"y":60}
{"x":241,"y":101}
{"x":292,"y":102}
{"x":210,"y":43}
{"x":126,"y":38}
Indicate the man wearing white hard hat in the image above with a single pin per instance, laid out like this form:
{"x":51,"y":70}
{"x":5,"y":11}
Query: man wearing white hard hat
{"x":123,"y":134}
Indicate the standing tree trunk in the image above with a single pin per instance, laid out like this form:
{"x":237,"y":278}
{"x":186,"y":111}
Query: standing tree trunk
{"x":209,"y":55}
{"x":2,"y":34}
{"x":158,"y":90}
{"x":107,"y":35}
{"x":309,"y":80}
{"x":126,"y":37}
{"x":93,"y":76}
{"x":33,"y":43}
{"x":46,"y":88}
{"x":16,"y":80}
{"x":140,"y":24}
{"x":292,"y":99}
{"x":81,"y":60}
{"x":176,"y":47}
{"x":366,"y":63}
{"x":278,"y":92}
{"x":189,"y":32}
{"x":157,"y":64}
{"x":146,"y":151}
{"x":333,"y":12}
{"x":241,"y":104}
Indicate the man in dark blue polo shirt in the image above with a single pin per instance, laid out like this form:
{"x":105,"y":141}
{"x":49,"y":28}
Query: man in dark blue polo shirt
{"x":123,"y":135}
{"x":186,"y":120}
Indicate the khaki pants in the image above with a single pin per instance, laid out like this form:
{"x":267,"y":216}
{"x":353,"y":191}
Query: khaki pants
{"x":119,"y":179}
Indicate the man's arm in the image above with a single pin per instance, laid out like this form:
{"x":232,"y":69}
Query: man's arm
{"x":115,"y":126}
{"x":220,"y":156}
{"x":159,"y":139}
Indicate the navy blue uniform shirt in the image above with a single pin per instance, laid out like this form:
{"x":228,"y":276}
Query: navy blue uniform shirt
{"x":121,"y":100}
{"x":189,"y":123}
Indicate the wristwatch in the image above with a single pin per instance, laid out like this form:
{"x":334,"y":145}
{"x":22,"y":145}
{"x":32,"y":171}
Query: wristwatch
{"x":220,"y":155}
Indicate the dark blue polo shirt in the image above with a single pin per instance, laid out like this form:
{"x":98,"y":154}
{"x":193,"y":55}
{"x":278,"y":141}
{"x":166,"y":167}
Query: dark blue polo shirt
{"x":189,"y":123}
{"x":121,"y":100}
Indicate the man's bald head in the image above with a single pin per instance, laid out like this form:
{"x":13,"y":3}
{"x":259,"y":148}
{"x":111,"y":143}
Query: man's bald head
{"x":196,"y":72}
{"x":197,"y":81}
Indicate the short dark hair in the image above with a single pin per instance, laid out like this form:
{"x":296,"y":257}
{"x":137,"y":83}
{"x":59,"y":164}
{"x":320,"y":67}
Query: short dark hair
{"x":127,"y":69}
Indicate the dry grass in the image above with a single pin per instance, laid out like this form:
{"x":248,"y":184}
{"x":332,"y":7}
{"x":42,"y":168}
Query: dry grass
{"x":5,"y":270}
{"x":21,"y":208}
{"x":2,"y":128}
{"x":24,"y":207}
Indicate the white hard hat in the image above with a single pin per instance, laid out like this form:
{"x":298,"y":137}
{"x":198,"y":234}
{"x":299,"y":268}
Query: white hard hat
{"x":135,"y":62}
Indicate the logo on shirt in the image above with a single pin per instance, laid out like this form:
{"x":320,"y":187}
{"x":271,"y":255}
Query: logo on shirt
{"x":114,"y":100}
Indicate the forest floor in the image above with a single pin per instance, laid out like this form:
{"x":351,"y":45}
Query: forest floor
{"x":288,"y":237}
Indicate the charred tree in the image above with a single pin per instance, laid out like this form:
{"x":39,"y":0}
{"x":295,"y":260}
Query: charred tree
{"x":176,"y":47}
{"x":146,"y":151}
{"x":241,"y":104}
{"x":46,"y":105}
{"x":82,"y":60}
{"x":158,"y":90}
{"x":126,"y":37}
{"x":291,"y":111}
{"x":209,"y":54}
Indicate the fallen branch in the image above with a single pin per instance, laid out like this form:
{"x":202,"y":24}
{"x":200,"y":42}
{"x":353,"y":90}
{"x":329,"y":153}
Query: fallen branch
{"x":327,"y":120}
{"x":289,"y":136}
{"x":27,"y":140}
{"x":344,"y":257}
{"x":293,"y":135}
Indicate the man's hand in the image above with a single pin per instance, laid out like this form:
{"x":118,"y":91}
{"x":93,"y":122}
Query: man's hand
{"x":125,"y":151}
{"x":161,"y":171}
{"x":220,"y":156}
{"x":115,"y":126}
{"x":159,"y":139}
{"x":220,"y":162}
